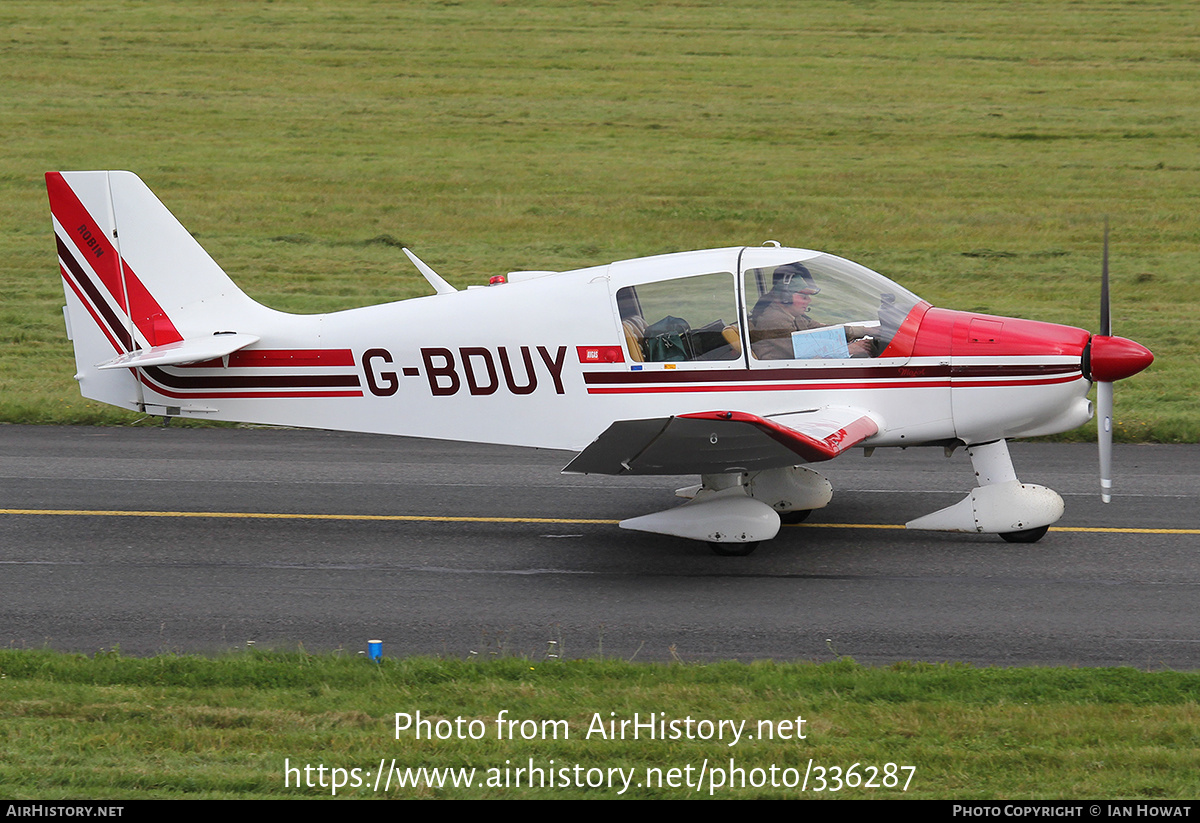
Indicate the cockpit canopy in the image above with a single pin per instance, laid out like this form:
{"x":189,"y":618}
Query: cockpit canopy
{"x":702,"y":317}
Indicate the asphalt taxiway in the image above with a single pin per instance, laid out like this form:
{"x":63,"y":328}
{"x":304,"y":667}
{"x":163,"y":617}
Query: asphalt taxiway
{"x":200,"y":540}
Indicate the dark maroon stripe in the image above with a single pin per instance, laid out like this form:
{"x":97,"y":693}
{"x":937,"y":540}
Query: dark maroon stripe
{"x":114,"y":323}
{"x":244,"y":394}
{"x":180,"y":381}
{"x":1012,"y":371}
{"x":849,"y":373}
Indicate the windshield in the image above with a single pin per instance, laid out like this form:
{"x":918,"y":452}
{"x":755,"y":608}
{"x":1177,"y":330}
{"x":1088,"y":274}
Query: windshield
{"x":797,"y":300}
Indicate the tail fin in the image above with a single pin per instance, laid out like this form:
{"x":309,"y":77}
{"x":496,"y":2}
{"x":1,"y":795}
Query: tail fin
{"x":140,"y":290}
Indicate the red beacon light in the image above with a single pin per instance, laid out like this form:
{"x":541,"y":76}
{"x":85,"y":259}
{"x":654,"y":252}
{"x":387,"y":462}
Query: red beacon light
{"x":497,"y":279}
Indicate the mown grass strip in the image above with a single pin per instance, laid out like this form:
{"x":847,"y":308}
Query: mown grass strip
{"x":111,"y":726}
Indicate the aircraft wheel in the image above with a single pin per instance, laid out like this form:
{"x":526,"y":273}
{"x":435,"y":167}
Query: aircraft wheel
{"x":1026,"y":536}
{"x":733,"y":549}
{"x":794,"y":516}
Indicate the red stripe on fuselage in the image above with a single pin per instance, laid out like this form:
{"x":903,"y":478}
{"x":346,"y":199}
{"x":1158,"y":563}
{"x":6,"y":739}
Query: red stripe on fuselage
{"x":273,"y":358}
{"x":944,"y":384}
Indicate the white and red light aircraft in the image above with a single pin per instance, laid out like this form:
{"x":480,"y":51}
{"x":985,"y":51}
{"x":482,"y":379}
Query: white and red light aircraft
{"x":737,"y":364}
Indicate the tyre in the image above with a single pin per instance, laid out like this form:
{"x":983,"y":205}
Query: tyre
{"x":1026,"y":536}
{"x":733,"y":549}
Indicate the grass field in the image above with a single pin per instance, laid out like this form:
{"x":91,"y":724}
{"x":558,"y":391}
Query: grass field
{"x":969,"y":150}
{"x":180,"y":727}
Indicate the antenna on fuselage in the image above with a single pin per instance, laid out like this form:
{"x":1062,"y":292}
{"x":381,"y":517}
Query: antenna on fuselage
{"x":436,"y":280}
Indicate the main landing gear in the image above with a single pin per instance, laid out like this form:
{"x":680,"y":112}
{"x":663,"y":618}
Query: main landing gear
{"x":1018,"y":512}
{"x":735,"y":512}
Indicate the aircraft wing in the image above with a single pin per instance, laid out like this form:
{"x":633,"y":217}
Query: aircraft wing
{"x":716,"y":442}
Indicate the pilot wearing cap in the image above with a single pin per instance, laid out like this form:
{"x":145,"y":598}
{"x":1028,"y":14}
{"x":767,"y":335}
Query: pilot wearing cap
{"x":783,"y":311}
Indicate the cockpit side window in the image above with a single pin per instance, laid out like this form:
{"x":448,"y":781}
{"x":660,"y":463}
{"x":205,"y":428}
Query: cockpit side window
{"x":682,"y":320}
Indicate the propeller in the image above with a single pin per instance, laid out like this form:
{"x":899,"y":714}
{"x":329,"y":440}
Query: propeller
{"x":1110,"y":359}
{"x":1104,"y":388}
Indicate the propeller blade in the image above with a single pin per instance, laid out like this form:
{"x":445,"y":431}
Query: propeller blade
{"x":1104,"y":415}
{"x":1105,"y":317}
{"x":1104,"y":389}
{"x":1110,"y":359}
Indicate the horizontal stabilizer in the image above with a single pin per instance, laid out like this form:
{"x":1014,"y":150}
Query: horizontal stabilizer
{"x":196,"y":350}
{"x":723,"y":441}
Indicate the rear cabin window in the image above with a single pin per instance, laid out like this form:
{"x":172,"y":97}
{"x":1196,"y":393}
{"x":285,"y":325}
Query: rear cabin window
{"x":684,"y":320}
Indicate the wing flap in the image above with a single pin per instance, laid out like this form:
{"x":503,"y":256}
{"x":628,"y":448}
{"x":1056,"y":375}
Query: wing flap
{"x":718,"y":442}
